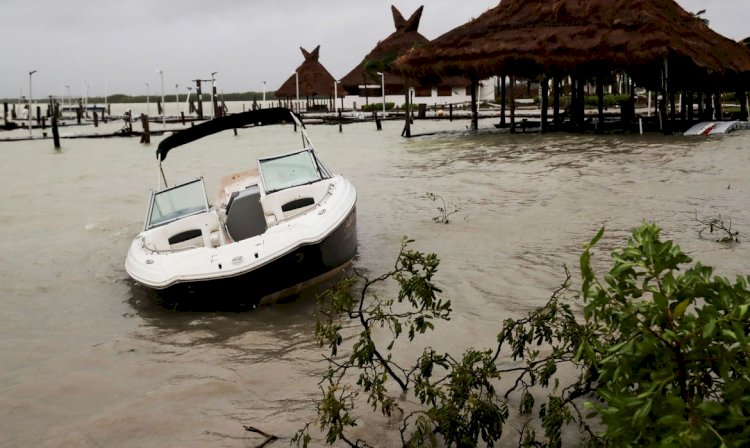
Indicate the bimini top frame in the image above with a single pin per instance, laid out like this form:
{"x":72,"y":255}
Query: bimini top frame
{"x":260,"y":117}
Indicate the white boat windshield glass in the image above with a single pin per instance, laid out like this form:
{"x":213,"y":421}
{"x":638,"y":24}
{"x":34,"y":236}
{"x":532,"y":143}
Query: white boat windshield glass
{"x":177,"y":202}
{"x":289,"y":171}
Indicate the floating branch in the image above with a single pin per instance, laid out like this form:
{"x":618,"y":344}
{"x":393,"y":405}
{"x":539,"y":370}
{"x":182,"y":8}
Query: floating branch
{"x":269,"y":437}
{"x":720,"y":225}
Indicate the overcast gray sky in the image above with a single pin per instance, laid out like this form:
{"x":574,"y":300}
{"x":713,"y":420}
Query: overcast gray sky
{"x":121,"y":44}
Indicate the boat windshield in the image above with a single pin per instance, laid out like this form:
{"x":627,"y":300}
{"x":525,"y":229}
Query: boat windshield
{"x":289,"y":171}
{"x":177,"y":202}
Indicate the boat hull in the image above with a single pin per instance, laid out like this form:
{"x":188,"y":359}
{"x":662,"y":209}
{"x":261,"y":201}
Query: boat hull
{"x":300,"y":268}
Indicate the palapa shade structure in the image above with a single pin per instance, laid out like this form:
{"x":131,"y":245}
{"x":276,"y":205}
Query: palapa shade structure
{"x":314,"y":79}
{"x":380,"y":58}
{"x":659,"y":44}
{"x":385,"y":52}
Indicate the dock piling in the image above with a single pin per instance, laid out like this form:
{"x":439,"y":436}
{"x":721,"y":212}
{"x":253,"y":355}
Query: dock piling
{"x":146,"y":136}
{"x":55,"y":133}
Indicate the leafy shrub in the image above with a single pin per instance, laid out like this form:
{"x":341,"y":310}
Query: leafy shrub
{"x":661,"y":356}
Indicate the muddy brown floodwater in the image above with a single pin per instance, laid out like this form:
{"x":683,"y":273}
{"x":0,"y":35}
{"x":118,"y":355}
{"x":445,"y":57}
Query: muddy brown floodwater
{"x":89,"y":359}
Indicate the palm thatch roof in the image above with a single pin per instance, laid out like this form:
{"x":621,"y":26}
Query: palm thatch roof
{"x":314,"y":79}
{"x":385,"y":52}
{"x":380,"y":58}
{"x":534,"y":37}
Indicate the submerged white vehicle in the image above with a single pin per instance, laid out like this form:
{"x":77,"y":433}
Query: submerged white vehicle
{"x":273,"y":230}
{"x":716,"y":127}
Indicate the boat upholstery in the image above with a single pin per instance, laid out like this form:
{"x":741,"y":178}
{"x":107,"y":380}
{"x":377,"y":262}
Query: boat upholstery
{"x":192,"y":231}
{"x":291,"y":202}
{"x":245,"y":217}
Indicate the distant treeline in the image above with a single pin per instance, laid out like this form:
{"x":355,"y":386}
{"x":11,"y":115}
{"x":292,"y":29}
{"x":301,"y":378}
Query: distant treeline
{"x":122,"y":98}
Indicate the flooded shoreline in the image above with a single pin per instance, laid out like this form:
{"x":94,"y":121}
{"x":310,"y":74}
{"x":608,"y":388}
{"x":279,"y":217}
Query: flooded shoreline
{"x":90,"y":359}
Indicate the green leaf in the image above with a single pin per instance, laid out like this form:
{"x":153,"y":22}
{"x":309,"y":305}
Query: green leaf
{"x":708,"y":329}
{"x":679,"y":310}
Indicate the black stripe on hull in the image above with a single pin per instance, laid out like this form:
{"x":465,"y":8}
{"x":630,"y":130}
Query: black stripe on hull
{"x":304,"y":263}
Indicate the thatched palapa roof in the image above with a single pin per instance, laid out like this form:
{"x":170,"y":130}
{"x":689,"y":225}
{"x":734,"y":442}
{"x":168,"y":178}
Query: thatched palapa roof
{"x":533,"y":37}
{"x":314,"y":79}
{"x":385,"y":52}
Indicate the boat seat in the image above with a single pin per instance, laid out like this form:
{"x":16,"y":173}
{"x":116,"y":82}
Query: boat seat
{"x":200,"y":230}
{"x":245,"y":217}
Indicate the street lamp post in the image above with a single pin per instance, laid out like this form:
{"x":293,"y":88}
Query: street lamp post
{"x":163,"y":106}
{"x":30,"y":96}
{"x":382,"y":86}
{"x":213,"y":93}
{"x":296,"y":76}
{"x":187,"y":100}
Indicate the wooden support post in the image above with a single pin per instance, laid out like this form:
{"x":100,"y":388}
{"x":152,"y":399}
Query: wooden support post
{"x":341,"y":127}
{"x":199,"y":98}
{"x":575,"y":98}
{"x":717,"y":105}
{"x":96,"y":119}
{"x":129,"y":123}
{"x":503,"y":100}
{"x":474,"y":106}
{"x":512,"y":104}
{"x":556,"y":101}
{"x":5,"y":113}
{"x":577,"y":105}
{"x":663,"y":119}
{"x":581,"y":104}
{"x":38,"y":115}
{"x":450,"y":112}
{"x":44,"y":122}
{"x":683,"y":107}
{"x":545,"y":103}
{"x":406,"y":132}
{"x":708,"y":110}
{"x":235,"y":132}
{"x":79,"y":112}
{"x":378,"y":126}
{"x":689,"y":101}
{"x":215,"y":105}
{"x":672,"y":110}
{"x":742,"y":97}
{"x":146,"y":136}
{"x":55,"y":132}
{"x":182,"y":118}
{"x":600,"y":100}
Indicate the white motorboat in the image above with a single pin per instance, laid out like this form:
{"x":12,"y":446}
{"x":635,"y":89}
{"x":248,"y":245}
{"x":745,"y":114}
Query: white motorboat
{"x":273,"y":230}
